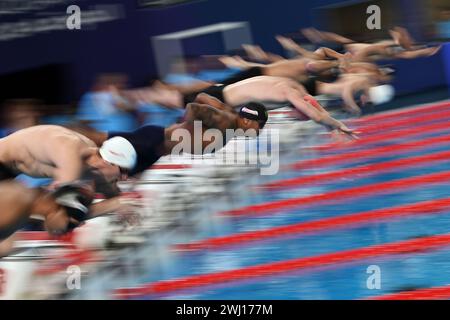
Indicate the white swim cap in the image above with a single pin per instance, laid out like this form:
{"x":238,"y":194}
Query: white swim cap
{"x":120,"y":152}
{"x":381,"y":94}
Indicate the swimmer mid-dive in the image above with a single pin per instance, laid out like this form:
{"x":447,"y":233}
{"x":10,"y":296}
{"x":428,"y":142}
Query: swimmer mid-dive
{"x":262,"y":88}
{"x":153,"y":142}
{"x":78,"y":169}
{"x":401,"y":46}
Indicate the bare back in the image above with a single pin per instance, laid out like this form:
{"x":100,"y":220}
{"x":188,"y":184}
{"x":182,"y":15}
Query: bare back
{"x":263,"y":88}
{"x":39,"y":151}
{"x":293,"y":69}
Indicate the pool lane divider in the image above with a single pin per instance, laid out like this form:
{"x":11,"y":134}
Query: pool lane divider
{"x":373,"y":135}
{"x":364,"y":154}
{"x":400,"y":113}
{"x":334,"y":259}
{"x":364,"y":170}
{"x":339,"y":195}
{"x":383,"y":137}
{"x":347,"y":221}
{"x":418,"y":119}
{"x":435,"y":293}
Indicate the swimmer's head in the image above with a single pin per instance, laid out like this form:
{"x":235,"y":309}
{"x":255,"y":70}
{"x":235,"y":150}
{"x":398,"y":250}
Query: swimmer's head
{"x":115,"y":158}
{"x":381,"y":94}
{"x":252,"y":115}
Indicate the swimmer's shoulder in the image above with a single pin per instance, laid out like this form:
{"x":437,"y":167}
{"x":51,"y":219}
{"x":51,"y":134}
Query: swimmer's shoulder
{"x":52,"y":133}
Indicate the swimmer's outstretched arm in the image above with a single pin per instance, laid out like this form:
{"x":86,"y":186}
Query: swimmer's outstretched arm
{"x":319,"y":115}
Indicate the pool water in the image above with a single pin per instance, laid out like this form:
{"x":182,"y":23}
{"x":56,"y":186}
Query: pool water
{"x":348,"y":280}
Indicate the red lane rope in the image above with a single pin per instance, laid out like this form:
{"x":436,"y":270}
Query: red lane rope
{"x":170,"y":166}
{"x":43,"y":236}
{"x":436,"y":293}
{"x":376,"y":130}
{"x":371,"y":189}
{"x":365,"y":170}
{"x":344,"y":221}
{"x":386,"y":116}
{"x":382,"y":137}
{"x":419,"y":119}
{"x":276,"y":268}
{"x":359,"y":155}
{"x":65,"y":261}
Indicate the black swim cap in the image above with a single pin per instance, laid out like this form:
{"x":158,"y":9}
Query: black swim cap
{"x":255,"y":111}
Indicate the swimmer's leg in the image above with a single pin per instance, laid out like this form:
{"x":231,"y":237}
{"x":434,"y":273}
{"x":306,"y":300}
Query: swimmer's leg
{"x":426,"y":52}
{"x":334,"y":37}
{"x":321,"y":65}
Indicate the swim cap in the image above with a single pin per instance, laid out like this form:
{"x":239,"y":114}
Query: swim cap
{"x":120,"y":152}
{"x":254,"y":111}
{"x":381,"y":94}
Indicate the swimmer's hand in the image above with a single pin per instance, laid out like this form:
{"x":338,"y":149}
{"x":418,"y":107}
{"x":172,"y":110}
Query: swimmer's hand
{"x":433,"y":50}
{"x":346,"y":131}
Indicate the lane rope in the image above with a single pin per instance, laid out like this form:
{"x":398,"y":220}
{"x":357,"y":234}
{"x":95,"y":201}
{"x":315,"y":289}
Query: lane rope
{"x":276,"y":268}
{"x":312,"y":227}
{"x":353,"y":192}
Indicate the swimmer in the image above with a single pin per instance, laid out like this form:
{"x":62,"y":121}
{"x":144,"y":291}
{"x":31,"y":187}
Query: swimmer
{"x":401,"y":46}
{"x":49,"y":151}
{"x":322,"y":53}
{"x":75,"y":163}
{"x":296,"y":69}
{"x":19,"y":203}
{"x":264,"y":89}
{"x":153,"y":142}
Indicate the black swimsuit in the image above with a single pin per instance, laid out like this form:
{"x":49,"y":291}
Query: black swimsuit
{"x":148,"y":142}
{"x":217,"y":90}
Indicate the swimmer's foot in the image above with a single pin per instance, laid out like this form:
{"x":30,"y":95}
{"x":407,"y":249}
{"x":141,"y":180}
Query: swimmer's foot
{"x":432,"y":51}
{"x":312,"y":35}
{"x":255,"y":52}
{"x":287,"y":43}
{"x":405,"y":39}
{"x":233,"y":62}
{"x":395,"y":35}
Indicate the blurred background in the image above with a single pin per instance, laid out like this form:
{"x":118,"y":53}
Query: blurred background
{"x":52,"y":75}
{"x":125,"y":41}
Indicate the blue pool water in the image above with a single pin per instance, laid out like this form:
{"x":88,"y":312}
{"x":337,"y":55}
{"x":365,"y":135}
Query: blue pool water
{"x":340,"y":281}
